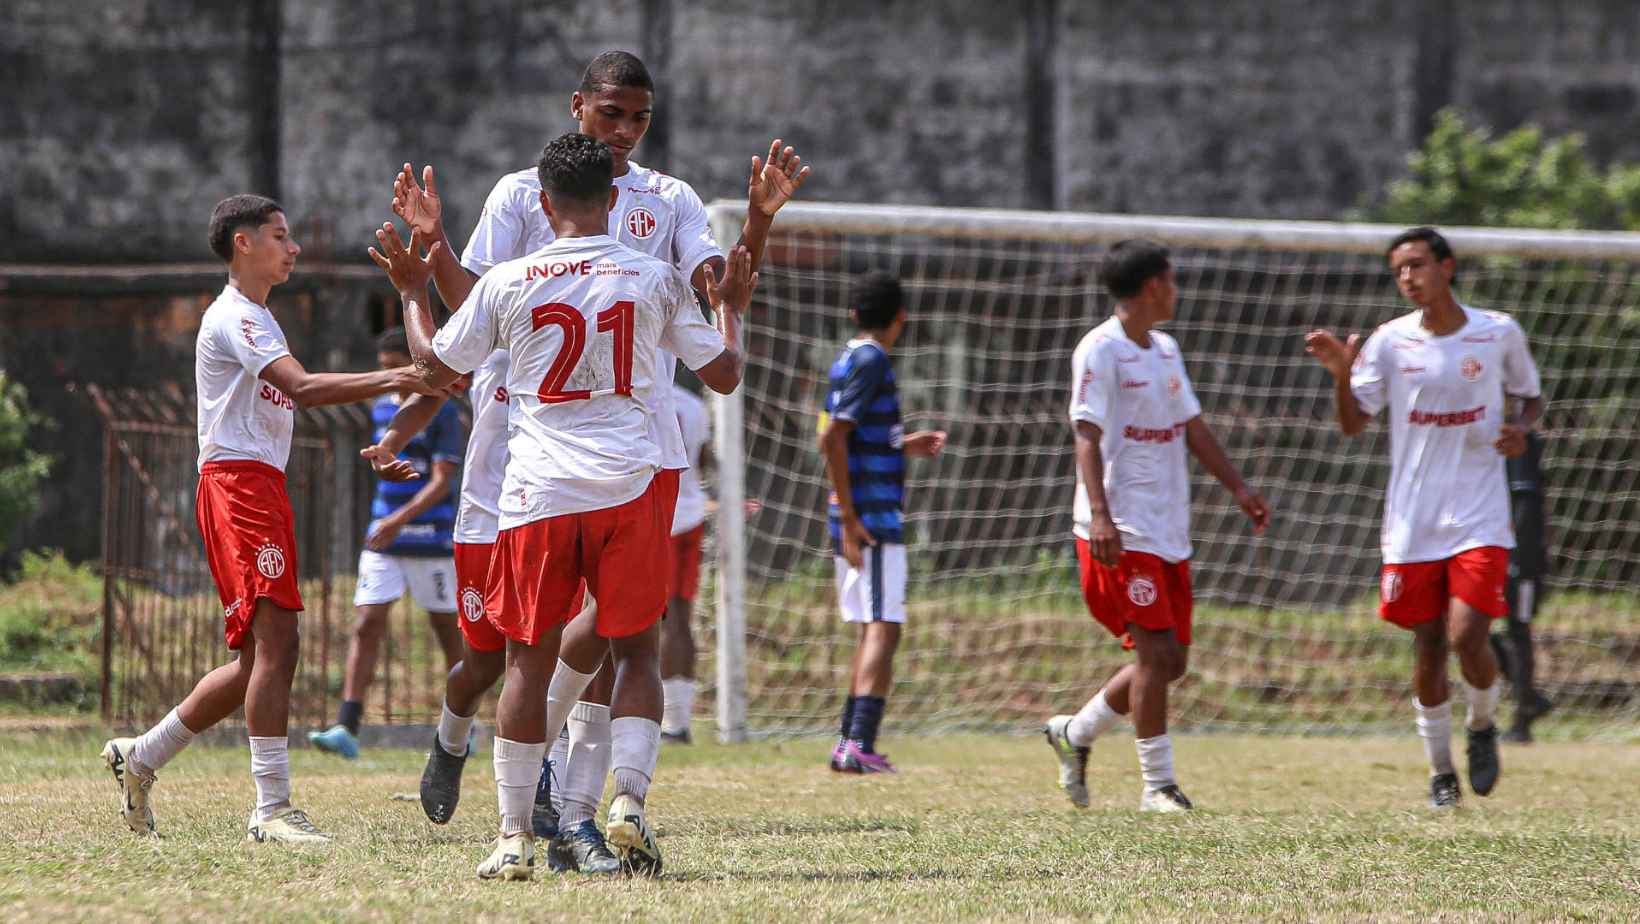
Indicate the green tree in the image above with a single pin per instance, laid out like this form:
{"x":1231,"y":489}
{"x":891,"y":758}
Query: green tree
{"x":21,"y":468}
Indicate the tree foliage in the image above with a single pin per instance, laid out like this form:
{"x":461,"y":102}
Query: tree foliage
{"x":21,"y":468}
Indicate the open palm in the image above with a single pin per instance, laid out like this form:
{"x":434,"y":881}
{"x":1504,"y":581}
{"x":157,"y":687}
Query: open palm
{"x":775,"y":181}
{"x":418,"y":205}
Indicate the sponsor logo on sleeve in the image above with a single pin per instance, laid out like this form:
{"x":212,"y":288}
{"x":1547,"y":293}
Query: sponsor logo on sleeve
{"x":1141,"y":590}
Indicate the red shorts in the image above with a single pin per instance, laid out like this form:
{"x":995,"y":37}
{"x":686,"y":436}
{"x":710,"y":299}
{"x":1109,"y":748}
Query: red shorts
{"x":1142,"y":590}
{"x":1414,"y":593}
{"x":537,"y":572}
{"x":472,"y":580}
{"x":250,"y":540}
{"x":683,"y":578}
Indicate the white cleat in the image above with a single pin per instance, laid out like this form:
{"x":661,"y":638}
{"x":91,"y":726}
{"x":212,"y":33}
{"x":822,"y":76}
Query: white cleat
{"x":289,"y":826}
{"x":629,"y":834}
{"x":512,"y":858}
{"x":133,"y":786}
{"x":1169,"y":798}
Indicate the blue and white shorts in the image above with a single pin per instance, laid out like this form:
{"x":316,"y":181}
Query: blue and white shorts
{"x":875,"y":591}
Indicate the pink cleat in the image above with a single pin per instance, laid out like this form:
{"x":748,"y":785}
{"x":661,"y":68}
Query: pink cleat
{"x":856,"y":760}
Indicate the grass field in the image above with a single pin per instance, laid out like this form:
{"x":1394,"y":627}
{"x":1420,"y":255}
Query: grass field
{"x":1288,"y":828}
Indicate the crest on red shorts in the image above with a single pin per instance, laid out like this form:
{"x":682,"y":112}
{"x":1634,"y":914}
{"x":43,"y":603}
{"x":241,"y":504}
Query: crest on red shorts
{"x":270,"y":560}
{"x":1390,"y":586}
{"x":640,"y":223}
{"x":1470,"y":368}
{"x":1141,"y":590}
{"x":472,"y":604}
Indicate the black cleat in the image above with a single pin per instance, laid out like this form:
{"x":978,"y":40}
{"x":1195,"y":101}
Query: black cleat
{"x":582,"y":850}
{"x":681,"y":737}
{"x":543,"y":817}
{"x":441,"y":783}
{"x":1535,"y":707}
{"x":1519,"y":733}
{"x":1444,"y":791}
{"x":1483,"y":760}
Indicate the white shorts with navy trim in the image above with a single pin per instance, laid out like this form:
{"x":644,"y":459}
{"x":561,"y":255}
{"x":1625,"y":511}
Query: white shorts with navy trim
{"x":431,"y":580}
{"x":875,"y":591}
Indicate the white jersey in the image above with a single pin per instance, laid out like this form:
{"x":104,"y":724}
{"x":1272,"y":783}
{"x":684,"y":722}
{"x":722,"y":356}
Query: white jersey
{"x":240,"y":416}
{"x":582,"y":320}
{"x":1447,"y":487}
{"x":486,"y":461}
{"x":1140,"y":399}
{"x":654,"y":214}
{"x":696,"y":427}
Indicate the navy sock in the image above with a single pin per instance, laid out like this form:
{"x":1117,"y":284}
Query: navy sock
{"x":868,"y":714}
{"x":847,"y":727}
{"x":350,"y":714}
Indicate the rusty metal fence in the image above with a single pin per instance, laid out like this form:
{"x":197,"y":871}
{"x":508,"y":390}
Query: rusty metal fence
{"x":162,"y":619}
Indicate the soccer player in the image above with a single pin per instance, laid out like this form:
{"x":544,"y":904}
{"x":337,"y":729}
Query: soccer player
{"x":1134,"y":414}
{"x":655,"y":214}
{"x":1443,"y":372}
{"x":408,"y":547}
{"x":864,"y":448}
{"x":1528,"y":563}
{"x":683,"y":574}
{"x":248,"y":388}
{"x":583,"y":319}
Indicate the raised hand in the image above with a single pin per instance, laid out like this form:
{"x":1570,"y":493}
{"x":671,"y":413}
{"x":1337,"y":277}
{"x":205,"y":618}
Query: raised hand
{"x":388,"y":466}
{"x":735,"y":288}
{"x":419,"y":206}
{"x":407,"y":271}
{"x":1335,"y":356}
{"x":776,"y":180}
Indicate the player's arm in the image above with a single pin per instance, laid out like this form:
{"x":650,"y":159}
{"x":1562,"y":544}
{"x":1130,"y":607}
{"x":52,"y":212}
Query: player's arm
{"x":925,"y":443}
{"x":834,"y":448}
{"x":1511,"y":441}
{"x":1198,"y":436}
{"x":723,"y":373}
{"x":422,"y":209}
{"x":772,"y":184}
{"x":1090,"y":464}
{"x":411,"y":418}
{"x":1337,"y":356}
{"x":409,"y":274}
{"x":315,"y":389}
{"x":1521,"y":380}
{"x":433,"y":493}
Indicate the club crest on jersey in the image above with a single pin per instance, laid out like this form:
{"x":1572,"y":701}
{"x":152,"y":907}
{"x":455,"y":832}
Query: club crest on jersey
{"x":270,"y":561}
{"x":1390,"y":586}
{"x":1470,"y":368}
{"x":1141,"y":590}
{"x":472,"y":604}
{"x":640,"y":223}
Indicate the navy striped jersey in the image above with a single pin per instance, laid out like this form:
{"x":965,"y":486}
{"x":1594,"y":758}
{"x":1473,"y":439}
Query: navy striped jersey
{"x":862,"y":391}
{"x":444,"y":440}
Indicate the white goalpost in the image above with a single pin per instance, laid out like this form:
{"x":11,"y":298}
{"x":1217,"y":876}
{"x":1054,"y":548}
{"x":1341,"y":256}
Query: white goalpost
{"x":1287,"y":637}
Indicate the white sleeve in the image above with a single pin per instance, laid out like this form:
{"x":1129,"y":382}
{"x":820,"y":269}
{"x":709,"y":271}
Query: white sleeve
{"x":1191,"y":407}
{"x":692,"y":240}
{"x":686,"y":334}
{"x":255,"y":342}
{"x":499,"y":234}
{"x":1367,"y":381}
{"x":1520,"y":373}
{"x":471,"y":334}
{"x":1091,"y":384}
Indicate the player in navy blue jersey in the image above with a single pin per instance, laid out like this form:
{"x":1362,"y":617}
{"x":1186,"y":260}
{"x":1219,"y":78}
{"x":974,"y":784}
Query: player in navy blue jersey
{"x":865,"y":447}
{"x":409,"y":548}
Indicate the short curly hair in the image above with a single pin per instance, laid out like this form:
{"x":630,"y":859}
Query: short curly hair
{"x":576,"y":167}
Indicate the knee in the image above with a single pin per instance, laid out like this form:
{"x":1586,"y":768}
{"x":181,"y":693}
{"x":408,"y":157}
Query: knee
{"x":371,"y":624}
{"x":1180,"y":665}
{"x":278,"y":643}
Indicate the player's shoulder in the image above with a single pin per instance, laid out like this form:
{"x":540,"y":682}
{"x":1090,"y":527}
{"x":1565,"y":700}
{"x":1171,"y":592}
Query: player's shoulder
{"x":1408,"y":326}
{"x":1166,"y":346}
{"x":1106,"y":339}
{"x":648,"y":182}
{"x":1487,"y":321}
{"x":513,"y":188}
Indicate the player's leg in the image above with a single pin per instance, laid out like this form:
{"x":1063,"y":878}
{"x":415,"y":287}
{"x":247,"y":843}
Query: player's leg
{"x":635,"y":734}
{"x":880,"y":602}
{"x":1159,"y":660}
{"x":1476,"y":580}
{"x":382,"y":581}
{"x":1530,"y":703}
{"x":578,"y":717}
{"x":677,"y":636}
{"x":433,"y":583}
{"x":1432,"y":701}
{"x":520,"y":746}
{"x":276,"y":638}
{"x":482,"y":662}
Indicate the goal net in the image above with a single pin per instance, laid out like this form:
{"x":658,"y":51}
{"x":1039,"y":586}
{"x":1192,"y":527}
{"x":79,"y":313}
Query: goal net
{"x":1287,"y":636}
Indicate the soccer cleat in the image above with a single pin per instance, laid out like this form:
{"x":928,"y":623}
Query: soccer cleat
{"x":582,"y":849}
{"x":1484,"y":768}
{"x":839,"y":756}
{"x":635,"y":847}
{"x":1444,"y":791}
{"x":859,"y":760}
{"x":288,"y":826}
{"x":441,"y":782}
{"x":1073,"y":760}
{"x":134,"y":787}
{"x":1169,"y":798}
{"x":1535,"y":707}
{"x":680,"y":737}
{"x":543,"y":817}
{"x":1518,"y":733}
{"x":336,"y":740}
{"x":512,"y":858}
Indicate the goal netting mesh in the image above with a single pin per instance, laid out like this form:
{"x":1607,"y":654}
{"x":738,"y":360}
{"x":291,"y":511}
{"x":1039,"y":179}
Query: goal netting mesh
{"x":1287,"y":635}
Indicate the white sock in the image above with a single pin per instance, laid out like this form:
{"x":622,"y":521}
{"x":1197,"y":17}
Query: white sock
{"x":1482,"y":705}
{"x":1156,"y":760}
{"x":452,"y":731}
{"x":517,"y":768}
{"x":1093,"y":720}
{"x":563,"y":690}
{"x":158,"y":745}
{"x":270,"y":767}
{"x":587,"y":767}
{"x":559,"y":755}
{"x":680,"y":702}
{"x":635,"y":742}
{"x":1435,"y":727}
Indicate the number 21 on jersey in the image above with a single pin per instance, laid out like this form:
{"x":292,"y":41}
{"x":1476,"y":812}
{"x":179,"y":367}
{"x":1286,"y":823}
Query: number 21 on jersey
{"x":618,"y":320}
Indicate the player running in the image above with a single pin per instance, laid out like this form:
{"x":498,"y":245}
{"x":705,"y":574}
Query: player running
{"x":1134,"y":414}
{"x":1445,"y":373}
{"x":248,"y":388}
{"x":583,"y":319}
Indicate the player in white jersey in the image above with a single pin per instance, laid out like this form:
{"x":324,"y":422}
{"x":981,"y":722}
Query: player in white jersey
{"x":1134,"y":415}
{"x":248,"y":387}
{"x":582,"y":320}
{"x":683,"y":569}
{"x":656,"y":214}
{"x":1445,"y":372}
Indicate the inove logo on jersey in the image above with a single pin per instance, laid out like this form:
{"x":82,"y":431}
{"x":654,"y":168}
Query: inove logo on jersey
{"x":640,"y":223}
{"x":270,"y":561}
{"x":1141,"y":590}
{"x":472,"y":604}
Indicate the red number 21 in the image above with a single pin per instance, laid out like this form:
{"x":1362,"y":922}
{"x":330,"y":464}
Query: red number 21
{"x":619,"y":319}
